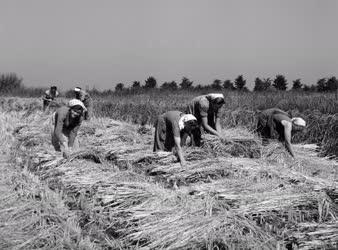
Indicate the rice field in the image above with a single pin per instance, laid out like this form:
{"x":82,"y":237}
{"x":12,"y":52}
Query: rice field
{"x":115,"y":193}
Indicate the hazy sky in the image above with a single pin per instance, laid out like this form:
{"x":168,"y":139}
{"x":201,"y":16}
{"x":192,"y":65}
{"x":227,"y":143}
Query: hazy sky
{"x":100,"y":43}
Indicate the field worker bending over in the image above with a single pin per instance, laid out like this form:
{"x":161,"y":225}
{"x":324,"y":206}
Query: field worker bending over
{"x":206,"y":108}
{"x":172,"y":129}
{"x":84,"y":97}
{"x":275,"y":123}
{"x":66,"y":123}
{"x":49,"y":96}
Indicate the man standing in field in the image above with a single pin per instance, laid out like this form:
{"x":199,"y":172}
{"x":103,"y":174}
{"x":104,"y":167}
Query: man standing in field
{"x":49,"y":96}
{"x":276,"y":124}
{"x":84,"y":97}
{"x":207,"y":110}
{"x":66,"y":122}
{"x":171,"y":130}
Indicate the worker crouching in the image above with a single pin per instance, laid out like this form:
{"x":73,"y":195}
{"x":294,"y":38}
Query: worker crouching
{"x":207,"y":110}
{"x":171,"y":131}
{"x":66,"y":123}
{"x":50,"y":96}
{"x":277,"y":124}
{"x":84,"y":97}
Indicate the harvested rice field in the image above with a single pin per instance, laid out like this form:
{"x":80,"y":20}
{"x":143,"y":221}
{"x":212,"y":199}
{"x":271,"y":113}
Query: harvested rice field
{"x":115,"y":193}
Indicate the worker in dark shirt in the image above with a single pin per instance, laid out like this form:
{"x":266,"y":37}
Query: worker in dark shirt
{"x":84,"y":97}
{"x":171,"y":131}
{"x":66,"y":123}
{"x":277,"y":124}
{"x":207,"y":110}
{"x":49,"y":96}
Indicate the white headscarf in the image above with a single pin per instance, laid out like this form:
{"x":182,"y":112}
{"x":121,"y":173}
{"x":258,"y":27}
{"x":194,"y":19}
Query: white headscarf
{"x":77,"y":89}
{"x":75,"y":102}
{"x":298,"y":121}
{"x":213,"y":96}
{"x":185,"y":118}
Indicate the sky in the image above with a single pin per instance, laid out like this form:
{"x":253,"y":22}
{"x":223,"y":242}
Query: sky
{"x":104,"y":42}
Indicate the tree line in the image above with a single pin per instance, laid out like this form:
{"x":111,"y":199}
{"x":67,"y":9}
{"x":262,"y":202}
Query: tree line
{"x":239,"y":83}
{"x":10,"y":83}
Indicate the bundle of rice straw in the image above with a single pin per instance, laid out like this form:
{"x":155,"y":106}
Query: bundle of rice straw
{"x":316,"y":236}
{"x":194,"y":224}
{"x":237,"y":147}
{"x":202,"y":171}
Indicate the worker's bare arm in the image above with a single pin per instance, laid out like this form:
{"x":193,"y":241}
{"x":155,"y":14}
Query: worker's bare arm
{"x":218,"y":125}
{"x":179,"y":150}
{"x":287,"y":136}
{"x":58,"y":130}
{"x":209,"y":128}
{"x":72,"y":135}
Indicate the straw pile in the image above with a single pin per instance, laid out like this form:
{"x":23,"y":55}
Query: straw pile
{"x":317,"y":236}
{"x":31,"y":215}
{"x":117,"y":186}
{"x":237,"y":147}
{"x":154,"y":217}
{"x":34,"y":217}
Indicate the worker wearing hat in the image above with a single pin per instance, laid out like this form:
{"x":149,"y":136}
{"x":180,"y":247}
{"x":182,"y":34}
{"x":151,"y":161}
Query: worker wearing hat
{"x":49,"y":96}
{"x":66,"y":123}
{"x":207,"y":110}
{"x":84,"y":97}
{"x":277,"y":124}
{"x":171,"y":130}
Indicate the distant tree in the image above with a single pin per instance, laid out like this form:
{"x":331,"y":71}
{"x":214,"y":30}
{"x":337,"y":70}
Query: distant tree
{"x":280,"y":83}
{"x":136,"y":85}
{"x":107,"y":92}
{"x":267,"y":83}
{"x":259,"y":85}
{"x":165,"y":85}
{"x":262,"y":85}
{"x":217,"y":84}
{"x":186,"y":83}
{"x":321,"y":85}
{"x":240,"y":83}
{"x":169,"y":85}
{"x":199,"y":87}
{"x":311,"y":88}
{"x":173,"y":85}
{"x":9,"y":82}
{"x":332,"y":84}
{"x":150,"y":83}
{"x":227,"y":84}
{"x":306,"y":87}
{"x":297,"y":85}
{"x":119,"y":87}
{"x":94,"y":92}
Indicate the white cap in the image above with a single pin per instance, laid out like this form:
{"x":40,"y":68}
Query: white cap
{"x":298,"y":121}
{"x":77,"y":89}
{"x":75,"y":102}
{"x":185,"y":118}
{"x":216,"y":95}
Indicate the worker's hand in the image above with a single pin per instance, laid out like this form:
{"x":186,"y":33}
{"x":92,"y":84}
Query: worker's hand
{"x":66,"y":154}
{"x":224,"y":140}
{"x":183,"y":164}
{"x":65,"y":151}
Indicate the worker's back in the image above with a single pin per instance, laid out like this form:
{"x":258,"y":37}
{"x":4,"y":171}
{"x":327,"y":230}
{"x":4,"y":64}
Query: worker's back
{"x":270,"y":123}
